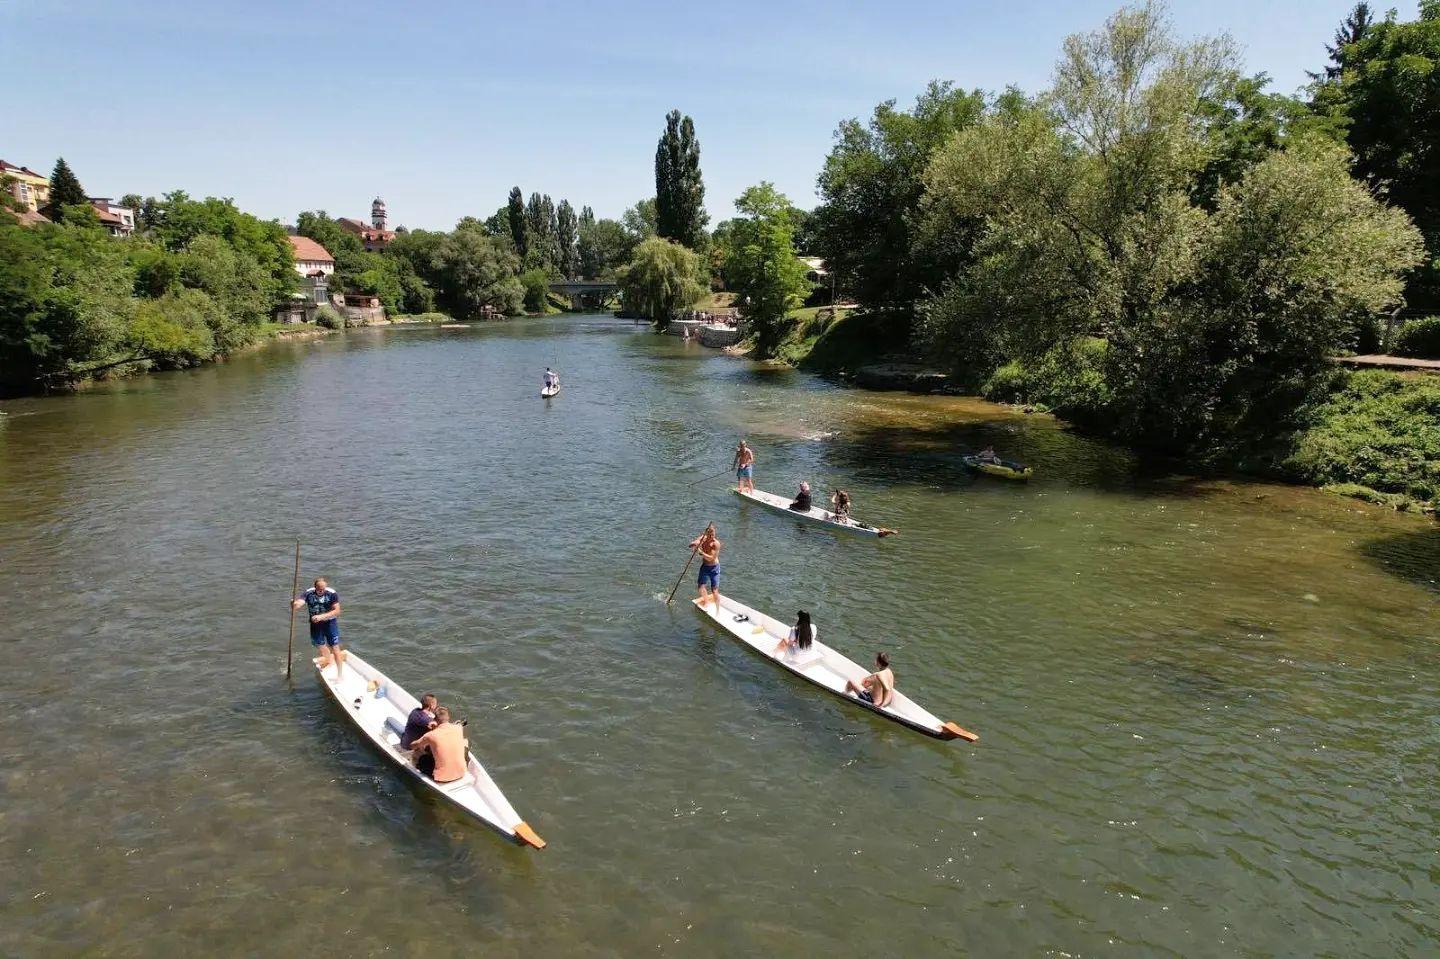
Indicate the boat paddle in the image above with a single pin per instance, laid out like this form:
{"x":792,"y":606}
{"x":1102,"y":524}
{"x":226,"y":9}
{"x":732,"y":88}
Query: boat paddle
{"x":681,"y":578}
{"x":294,"y":589}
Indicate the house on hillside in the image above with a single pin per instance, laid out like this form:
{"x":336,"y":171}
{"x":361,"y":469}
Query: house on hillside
{"x":375,"y":236}
{"x":24,"y":184}
{"x":119,"y":220}
{"x":314,"y":264}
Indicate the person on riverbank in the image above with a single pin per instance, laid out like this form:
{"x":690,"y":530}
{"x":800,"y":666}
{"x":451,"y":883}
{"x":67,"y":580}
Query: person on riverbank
{"x":440,"y":753}
{"x":420,"y":721}
{"x":802,"y":501}
{"x":707,"y":544}
{"x":802,"y":635}
{"x":324,"y":606}
{"x":744,"y":468}
{"x":877,"y":689}
{"x":840,"y":505}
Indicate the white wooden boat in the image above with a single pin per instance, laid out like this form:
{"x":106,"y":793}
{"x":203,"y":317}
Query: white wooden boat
{"x":815,"y":514}
{"x":822,"y":666}
{"x":379,"y":706}
{"x":549,"y":391}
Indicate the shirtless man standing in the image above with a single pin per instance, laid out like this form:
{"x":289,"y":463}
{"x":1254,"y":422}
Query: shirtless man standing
{"x":744,"y":468}
{"x":877,"y":689}
{"x":440,"y":753}
{"x":708,"y":545}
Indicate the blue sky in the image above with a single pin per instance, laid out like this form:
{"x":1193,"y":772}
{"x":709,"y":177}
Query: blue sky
{"x":287,"y":106}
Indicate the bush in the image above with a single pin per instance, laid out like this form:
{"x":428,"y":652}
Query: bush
{"x":537,"y":290}
{"x":329,"y":317}
{"x":1419,"y":338}
{"x":1068,"y":378}
{"x":1377,"y":429}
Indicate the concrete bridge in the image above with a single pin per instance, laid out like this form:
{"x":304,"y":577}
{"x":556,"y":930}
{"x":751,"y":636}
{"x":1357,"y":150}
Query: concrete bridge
{"x":585,"y":294}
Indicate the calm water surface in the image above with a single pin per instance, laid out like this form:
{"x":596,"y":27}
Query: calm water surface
{"x":1208,"y":710}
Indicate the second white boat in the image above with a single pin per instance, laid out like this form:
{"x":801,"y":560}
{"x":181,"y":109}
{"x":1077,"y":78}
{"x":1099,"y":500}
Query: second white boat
{"x":823,"y":666}
{"x":814,"y":514}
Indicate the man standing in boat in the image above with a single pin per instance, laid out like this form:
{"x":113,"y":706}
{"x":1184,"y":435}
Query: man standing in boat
{"x":707,"y":544}
{"x":552,"y":379}
{"x":324,"y":606}
{"x":744,"y":468}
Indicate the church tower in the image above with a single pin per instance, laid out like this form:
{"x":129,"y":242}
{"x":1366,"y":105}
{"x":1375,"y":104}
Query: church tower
{"x":377,"y":213}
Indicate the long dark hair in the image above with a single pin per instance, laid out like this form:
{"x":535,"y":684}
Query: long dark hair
{"x":804,"y":632}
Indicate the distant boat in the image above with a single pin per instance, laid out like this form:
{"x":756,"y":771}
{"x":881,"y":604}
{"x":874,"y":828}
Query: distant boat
{"x":549,"y":391}
{"x":1002,"y":469}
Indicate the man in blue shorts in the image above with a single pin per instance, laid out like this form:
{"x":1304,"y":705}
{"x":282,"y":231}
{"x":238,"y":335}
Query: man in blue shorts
{"x":708,"y":546}
{"x":324,"y":606}
{"x":744,"y":468}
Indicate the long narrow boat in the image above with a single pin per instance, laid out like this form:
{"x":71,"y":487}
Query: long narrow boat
{"x":549,"y":391}
{"x":822,"y":666}
{"x":379,"y":706}
{"x":1003,"y":469}
{"x":814,"y":514}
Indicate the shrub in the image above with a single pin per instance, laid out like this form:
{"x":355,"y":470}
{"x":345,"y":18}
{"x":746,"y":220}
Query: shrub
{"x":1068,"y":378}
{"x":329,"y":317}
{"x":537,"y":289}
{"x":1419,"y":338}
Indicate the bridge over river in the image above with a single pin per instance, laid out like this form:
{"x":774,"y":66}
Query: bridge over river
{"x":585,"y":294}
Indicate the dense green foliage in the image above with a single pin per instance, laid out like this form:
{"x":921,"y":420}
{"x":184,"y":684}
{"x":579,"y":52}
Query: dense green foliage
{"x":1419,"y":338}
{"x":75,"y":301}
{"x":1375,"y":430}
{"x":602,"y":247}
{"x":567,"y":227}
{"x":760,"y":265}
{"x":515,"y":212}
{"x":679,"y":190}
{"x":661,"y":278}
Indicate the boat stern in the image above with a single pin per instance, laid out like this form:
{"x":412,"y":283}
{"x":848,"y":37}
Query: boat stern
{"x":528,"y":836}
{"x":952,"y":731}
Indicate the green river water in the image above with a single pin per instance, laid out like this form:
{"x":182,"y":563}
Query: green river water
{"x":1208,"y":710}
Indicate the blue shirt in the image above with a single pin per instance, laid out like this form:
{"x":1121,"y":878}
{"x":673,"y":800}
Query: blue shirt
{"x":321,"y":602}
{"x":417,"y":724}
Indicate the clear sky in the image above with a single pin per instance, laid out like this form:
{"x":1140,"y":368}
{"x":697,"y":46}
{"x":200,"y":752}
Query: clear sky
{"x":441,"y":106}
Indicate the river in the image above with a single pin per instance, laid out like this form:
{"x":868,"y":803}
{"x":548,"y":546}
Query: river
{"x":1207,"y":710}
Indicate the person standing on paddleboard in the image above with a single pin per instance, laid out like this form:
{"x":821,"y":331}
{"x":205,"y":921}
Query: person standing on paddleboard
{"x":324,"y":606}
{"x":744,"y":468}
{"x":708,"y":546}
{"x":552,"y":379}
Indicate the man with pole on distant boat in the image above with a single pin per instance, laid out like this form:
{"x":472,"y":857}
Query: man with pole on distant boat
{"x":552,"y":379}
{"x":744,"y":468}
{"x":324,"y":606}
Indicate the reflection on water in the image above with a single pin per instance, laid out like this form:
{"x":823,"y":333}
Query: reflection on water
{"x":1206,"y":707}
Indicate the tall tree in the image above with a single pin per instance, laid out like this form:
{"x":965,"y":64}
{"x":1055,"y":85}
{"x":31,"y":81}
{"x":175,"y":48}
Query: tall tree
{"x":518,"y":223}
{"x":65,"y":188}
{"x":639,"y":220}
{"x":761,"y":266}
{"x":602,"y":248}
{"x":870,"y":191}
{"x":587,"y":216}
{"x":567,"y":228}
{"x":1351,"y":30}
{"x":661,"y":278}
{"x":679,"y":191}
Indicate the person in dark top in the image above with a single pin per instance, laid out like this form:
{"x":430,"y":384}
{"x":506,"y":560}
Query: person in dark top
{"x":420,"y":721}
{"x":324,"y":606}
{"x":802,"y":499}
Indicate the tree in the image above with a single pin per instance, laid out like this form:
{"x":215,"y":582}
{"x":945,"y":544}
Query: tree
{"x":543,"y":247}
{"x":602,"y":247}
{"x":639,"y":220}
{"x":871,"y":187}
{"x":762,"y":267}
{"x":1352,"y":30}
{"x":65,"y":188}
{"x":1389,"y":91}
{"x":587,"y":216}
{"x":679,"y":191}
{"x":660,"y":279}
{"x":519,"y":232}
{"x":566,"y":233}
{"x":471,"y":271}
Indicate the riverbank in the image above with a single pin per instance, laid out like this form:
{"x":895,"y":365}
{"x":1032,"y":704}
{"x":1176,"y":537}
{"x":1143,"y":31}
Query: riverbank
{"x":1374,"y":435}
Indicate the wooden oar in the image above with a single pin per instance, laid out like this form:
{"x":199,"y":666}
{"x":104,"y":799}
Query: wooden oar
{"x":713,"y":476}
{"x":294,"y":588}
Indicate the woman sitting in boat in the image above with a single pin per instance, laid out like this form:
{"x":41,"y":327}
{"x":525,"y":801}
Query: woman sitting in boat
{"x":840,"y":504}
{"x":802,"y":499}
{"x":802,"y":634}
{"x":877,"y":689}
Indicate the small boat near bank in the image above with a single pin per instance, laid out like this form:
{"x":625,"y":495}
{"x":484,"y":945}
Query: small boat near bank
{"x":1003,"y":469}
{"x":378,"y":707}
{"x":814,"y":514}
{"x":549,"y":391}
{"x":823,"y":667}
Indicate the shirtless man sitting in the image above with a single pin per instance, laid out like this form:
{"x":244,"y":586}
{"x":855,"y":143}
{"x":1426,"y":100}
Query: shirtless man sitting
{"x":877,"y":689}
{"x":440,"y":753}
